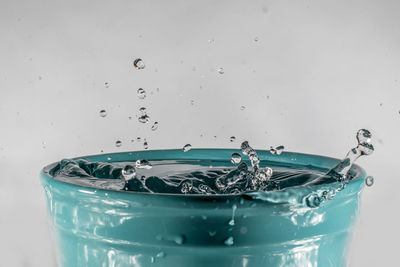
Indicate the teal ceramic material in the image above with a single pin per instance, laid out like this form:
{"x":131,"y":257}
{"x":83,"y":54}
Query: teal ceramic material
{"x":94,"y":227}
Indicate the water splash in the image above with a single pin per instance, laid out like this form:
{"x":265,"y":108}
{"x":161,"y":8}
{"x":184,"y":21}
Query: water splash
{"x":250,"y":177}
{"x":363,"y":148}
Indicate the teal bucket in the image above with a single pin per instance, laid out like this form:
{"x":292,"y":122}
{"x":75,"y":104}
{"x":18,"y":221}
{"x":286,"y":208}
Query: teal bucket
{"x":96,"y":227}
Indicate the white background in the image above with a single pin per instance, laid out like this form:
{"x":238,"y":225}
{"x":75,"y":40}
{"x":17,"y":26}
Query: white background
{"x":319,"y":71}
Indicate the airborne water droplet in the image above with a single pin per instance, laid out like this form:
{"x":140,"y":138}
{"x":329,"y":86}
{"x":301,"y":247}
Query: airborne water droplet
{"x":118,"y":143}
{"x":103,"y":113}
{"x":155,"y":126}
{"x":138,"y":64}
{"x":363,"y":136}
{"x":242,"y":107}
{"x":364,"y":142}
{"x":369,"y":181}
{"x":232,"y":138}
{"x":144,"y":118}
{"x":221,"y":70}
{"x":236,"y":158}
{"x":141,"y":93}
{"x":145,"y":144}
{"x":187,"y":147}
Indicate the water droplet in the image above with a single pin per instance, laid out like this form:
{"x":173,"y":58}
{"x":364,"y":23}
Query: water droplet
{"x":229,"y":241}
{"x":264,"y":174}
{"x":256,"y":39}
{"x":144,"y":118}
{"x":145,"y":144}
{"x":103,"y":113}
{"x":187,"y":147}
{"x":118,"y":143}
{"x":128,"y":172}
{"x":152,"y":259}
{"x":251,"y":153}
{"x":211,"y":40}
{"x":236,"y":158}
{"x":160,"y":254}
{"x":205,"y":189}
{"x":212,"y":233}
{"x":363,"y":136}
{"x":242,"y":107}
{"x":221,"y":70}
{"x":141,"y":93}
{"x":106,"y":85}
{"x":232,"y":139}
{"x":138,"y":139}
{"x":138,"y":64}
{"x":143,"y":164}
{"x":232,"y":221}
{"x":179,"y":239}
{"x":191,"y":102}
{"x":155,"y":126}
{"x":313,"y":201}
{"x":186,"y":186}
{"x":369,"y":181}
{"x":277,"y":150}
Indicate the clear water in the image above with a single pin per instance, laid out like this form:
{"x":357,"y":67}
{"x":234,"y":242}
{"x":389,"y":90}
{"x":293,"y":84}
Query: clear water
{"x":235,"y":175}
{"x":182,"y":176}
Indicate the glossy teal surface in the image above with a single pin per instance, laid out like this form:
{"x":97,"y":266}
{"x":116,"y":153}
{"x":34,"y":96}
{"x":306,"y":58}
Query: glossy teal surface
{"x":94,"y":227}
